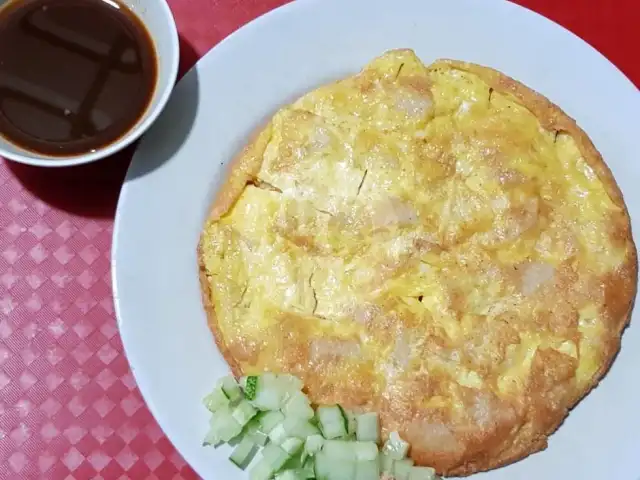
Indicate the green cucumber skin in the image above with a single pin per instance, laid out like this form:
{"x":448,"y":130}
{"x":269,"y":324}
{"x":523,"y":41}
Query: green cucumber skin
{"x":332,"y":416}
{"x":251,"y":387}
{"x":345,"y":418}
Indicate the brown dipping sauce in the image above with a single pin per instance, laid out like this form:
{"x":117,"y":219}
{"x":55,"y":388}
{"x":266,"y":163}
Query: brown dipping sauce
{"x":75,"y":75}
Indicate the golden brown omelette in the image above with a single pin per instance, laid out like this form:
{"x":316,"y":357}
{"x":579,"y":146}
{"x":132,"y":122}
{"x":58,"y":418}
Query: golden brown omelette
{"x":439,"y":244}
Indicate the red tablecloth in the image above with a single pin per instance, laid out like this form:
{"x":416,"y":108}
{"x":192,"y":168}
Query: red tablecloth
{"x":69,"y":406}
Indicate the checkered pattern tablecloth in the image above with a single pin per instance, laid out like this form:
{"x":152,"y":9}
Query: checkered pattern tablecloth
{"x":69,"y":406}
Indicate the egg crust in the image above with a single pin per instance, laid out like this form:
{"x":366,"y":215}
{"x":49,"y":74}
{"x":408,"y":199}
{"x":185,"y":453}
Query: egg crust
{"x":439,"y":244}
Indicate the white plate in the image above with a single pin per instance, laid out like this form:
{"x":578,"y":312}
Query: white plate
{"x":180,"y":165}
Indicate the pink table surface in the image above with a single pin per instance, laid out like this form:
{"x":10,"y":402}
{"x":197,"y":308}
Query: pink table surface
{"x":69,"y":406}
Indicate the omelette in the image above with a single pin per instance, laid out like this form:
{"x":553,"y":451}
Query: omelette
{"x":439,"y":244}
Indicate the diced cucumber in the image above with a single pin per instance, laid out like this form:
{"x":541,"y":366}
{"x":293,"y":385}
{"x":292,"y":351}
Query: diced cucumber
{"x":259,"y":438}
{"x":269,"y":393}
{"x":348,"y":450}
{"x":344,"y":415}
{"x":365,"y":451}
{"x":367,"y":427}
{"x":396,"y":447}
{"x":252,"y":430}
{"x":216,"y":400}
{"x":254,"y":424}
{"x":269,"y":420}
{"x":231,"y":389}
{"x":289,"y":475}
{"x":244,"y":453}
{"x":236,"y":440}
{"x":250,"y":386}
{"x":351,"y":422}
{"x":244,"y":412}
{"x":268,"y":377}
{"x":278,"y":434}
{"x":262,"y":470}
{"x":332,"y":421}
{"x":344,"y":457}
{"x":343,"y":470}
{"x":295,"y":462}
{"x":328,"y":468}
{"x":223,"y":426}
{"x":336,"y":449}
{"x":290,"y":383}
{"x":275,"y":455}
{"x":298,"y":406}
{"x":211,"y":439}
{"x":322,"y":466}
{"x":308,"y":468}
{"x":339,"y":450}
{"x":297,"y":427}
{"x":401,"y":469}
{"x":386,"y":464}
{"x":328,"y":444}
{"x":422,"y":473}
{"x":292,"y":445}
{"x":369,"y":470}
{"x":313,"y":444}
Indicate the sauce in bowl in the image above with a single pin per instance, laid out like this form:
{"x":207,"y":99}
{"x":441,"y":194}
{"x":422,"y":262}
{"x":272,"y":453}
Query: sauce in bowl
{"x":75,"y":75}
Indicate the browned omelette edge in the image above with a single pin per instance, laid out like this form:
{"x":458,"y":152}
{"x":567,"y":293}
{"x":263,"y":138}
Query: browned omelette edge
{"x":241,"y":172}
{"x":620,"y":294}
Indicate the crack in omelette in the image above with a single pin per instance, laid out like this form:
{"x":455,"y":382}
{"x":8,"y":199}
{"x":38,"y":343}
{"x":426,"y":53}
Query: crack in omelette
{"x":436,"y":243}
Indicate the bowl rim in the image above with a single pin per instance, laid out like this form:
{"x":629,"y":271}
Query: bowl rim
{"x":151,"y":113}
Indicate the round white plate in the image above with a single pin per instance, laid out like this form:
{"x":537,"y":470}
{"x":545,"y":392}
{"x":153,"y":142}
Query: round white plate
{"x":269,"y":62}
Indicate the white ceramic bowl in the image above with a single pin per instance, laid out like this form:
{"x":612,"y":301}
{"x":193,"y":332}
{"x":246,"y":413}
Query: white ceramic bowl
{"x":158,"y":19}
